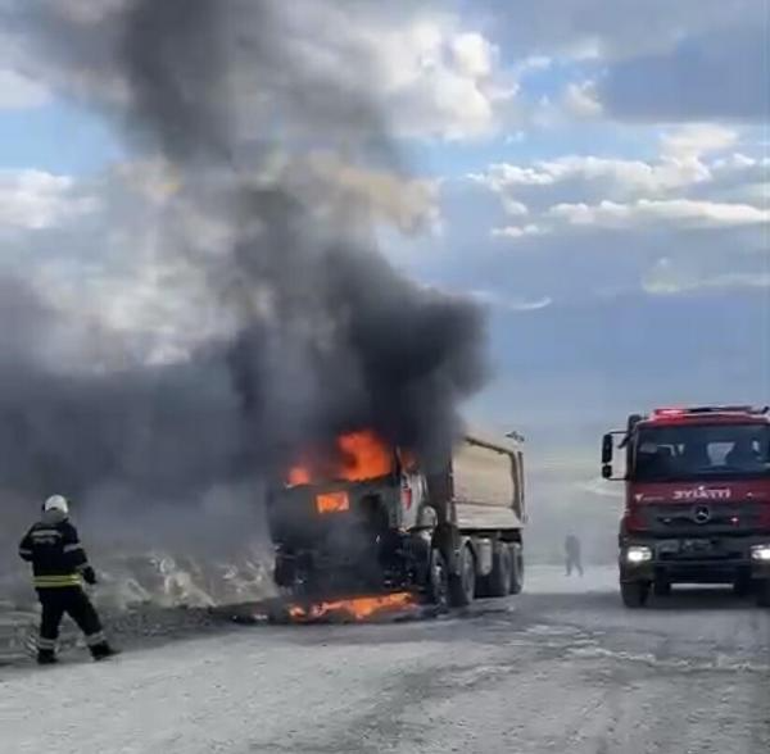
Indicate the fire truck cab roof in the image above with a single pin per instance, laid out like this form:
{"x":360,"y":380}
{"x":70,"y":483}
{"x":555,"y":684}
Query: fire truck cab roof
{"x":708,"y":415}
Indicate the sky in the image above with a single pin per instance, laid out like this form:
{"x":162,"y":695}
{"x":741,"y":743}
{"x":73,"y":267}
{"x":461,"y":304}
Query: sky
{"x":594,"y":174}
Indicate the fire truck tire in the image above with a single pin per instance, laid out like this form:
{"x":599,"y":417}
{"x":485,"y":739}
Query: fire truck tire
{"x":634,"y":593}
{"x":462,"y":586}
{"x":742,"y":586}
{"x":438,"y":580}
{"x":763,"y":593}
{"x":517,"y":568}
{"x":498,"y":583}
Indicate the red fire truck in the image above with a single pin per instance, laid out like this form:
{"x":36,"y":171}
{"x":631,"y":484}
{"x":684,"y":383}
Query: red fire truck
{"x":697,"y":500}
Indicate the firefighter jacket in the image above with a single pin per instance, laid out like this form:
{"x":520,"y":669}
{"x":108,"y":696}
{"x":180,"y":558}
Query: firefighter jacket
{"x":53,"y":548}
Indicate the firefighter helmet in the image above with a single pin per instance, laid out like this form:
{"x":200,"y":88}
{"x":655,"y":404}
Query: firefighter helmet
{"x":57,"y":503}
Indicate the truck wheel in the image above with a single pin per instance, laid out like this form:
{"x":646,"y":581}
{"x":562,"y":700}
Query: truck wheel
{"x":462,"y":587}
{"x":438,"y":585}
{"x":763,"y":593}
{"x":634,"y":593}
{"x":517,"y":568}
{"x":662,"y":588}
{"x":742,"y":586}
{"x":498,"y":583}
{"x":284,"y":572}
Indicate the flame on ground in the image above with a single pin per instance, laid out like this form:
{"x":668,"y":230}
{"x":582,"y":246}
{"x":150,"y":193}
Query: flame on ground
{"x":359,"y":456}
{"x":358,"y":608}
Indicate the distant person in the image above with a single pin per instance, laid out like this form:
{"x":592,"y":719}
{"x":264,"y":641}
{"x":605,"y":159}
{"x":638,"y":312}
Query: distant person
{"x":572,"y":555}
{"x":59,"y":567}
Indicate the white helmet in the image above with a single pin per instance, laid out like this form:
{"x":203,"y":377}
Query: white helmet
{"x":57,"y":503}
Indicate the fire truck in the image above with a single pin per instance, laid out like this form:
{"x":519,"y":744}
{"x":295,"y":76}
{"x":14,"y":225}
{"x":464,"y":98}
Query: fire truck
{"x":697,"y":500}
{"x":365,"y":518}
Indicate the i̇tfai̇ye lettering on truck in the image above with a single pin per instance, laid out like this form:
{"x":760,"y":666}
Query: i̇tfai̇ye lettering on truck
{"x":697,"y":500}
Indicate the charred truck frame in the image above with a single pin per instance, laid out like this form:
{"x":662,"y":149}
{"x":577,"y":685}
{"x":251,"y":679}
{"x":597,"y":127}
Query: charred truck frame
{"x":380,"y":523}
{"x":697,"y":500}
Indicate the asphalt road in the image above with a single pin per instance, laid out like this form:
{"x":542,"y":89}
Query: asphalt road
{"x":562,"y":668}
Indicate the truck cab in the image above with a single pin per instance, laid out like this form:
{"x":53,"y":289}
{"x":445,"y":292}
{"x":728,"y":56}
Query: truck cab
{"x":697,"y":500}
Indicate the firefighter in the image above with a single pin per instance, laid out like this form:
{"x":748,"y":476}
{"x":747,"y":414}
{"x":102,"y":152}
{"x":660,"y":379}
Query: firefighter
{"x":59,"y":566}
{"x":572,"y":554}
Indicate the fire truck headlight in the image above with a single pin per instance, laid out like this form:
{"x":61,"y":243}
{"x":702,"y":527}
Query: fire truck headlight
{"x":761,"y":553}
{"x":638,"y":555}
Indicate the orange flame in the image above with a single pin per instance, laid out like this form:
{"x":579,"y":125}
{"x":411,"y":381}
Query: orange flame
{"x":365,"y":456}
{"x":298,"y":475}
{"x":333,"y":502}
{"x":358,"y":608}
{"x":362,"y":455}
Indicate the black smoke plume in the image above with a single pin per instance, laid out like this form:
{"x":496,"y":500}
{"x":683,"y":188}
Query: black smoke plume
{"x":324,"y":334}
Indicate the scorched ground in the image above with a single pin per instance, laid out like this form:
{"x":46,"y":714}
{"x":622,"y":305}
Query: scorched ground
{"x":561,"y":668}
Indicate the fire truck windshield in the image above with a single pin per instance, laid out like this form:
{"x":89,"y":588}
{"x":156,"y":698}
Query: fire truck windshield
{"x":681,"y":452}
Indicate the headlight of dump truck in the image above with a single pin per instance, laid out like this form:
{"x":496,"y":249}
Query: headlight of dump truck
{"x":636,"y":555}
{"x":761,"y":553}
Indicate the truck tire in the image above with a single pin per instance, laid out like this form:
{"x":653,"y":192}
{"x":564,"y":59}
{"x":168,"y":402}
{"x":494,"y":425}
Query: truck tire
{"x":634,"y":593}
{"x":498,"y":583}
{"x":763,"y":593}
{"x":517,"y":568}
{"x":742,"y":586}
{"x":438,"y":580}
{"x":284,"y":572}
{"x":462,"y":586}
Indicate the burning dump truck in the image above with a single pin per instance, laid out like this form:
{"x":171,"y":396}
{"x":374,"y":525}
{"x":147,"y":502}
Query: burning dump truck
{"x":369,"y":526}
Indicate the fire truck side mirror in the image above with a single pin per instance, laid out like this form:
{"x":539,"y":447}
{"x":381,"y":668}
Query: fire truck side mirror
{"x":607,"y":471}
{"x":607,"y":448}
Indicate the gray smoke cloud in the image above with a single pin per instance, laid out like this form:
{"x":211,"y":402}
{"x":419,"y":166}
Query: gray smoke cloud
{"x":322,"y":335}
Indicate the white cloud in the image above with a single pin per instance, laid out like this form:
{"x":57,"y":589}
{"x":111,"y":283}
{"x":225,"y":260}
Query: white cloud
{"x":680,"y":164}
{"x":582,"y":101}
{"x":514,"y":208}
{"x":591,"y":207}
{"x":617,"y":174}
{"x":474,"y":55}
{"x":19,"y":92}
{"x":692,"y":184}
{"x":514,"y":232}
{"x":34,"y":199}
{"x":667,"y":278}
{"x":510,"y":303}
{"x":695,"y":139}
{"x":645,"y":212}
{"x":439,"y":79}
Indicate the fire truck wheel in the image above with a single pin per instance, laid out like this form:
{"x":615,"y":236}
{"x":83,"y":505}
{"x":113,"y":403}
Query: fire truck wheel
{"x":763,"y":593}
{"x":635,"y":593}
{"x":742,"y":586}
{"x":498,"y":583}
{"x":517,"y":568}
{"x":462,"y":586}
{"x":438,"y":586}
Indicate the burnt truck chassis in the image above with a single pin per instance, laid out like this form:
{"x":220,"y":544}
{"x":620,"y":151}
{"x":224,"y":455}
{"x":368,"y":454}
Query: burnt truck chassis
{"x":368,"y":550}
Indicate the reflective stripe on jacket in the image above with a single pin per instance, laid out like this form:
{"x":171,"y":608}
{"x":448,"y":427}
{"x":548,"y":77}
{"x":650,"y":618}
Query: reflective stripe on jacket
{"x":57,"y":582}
